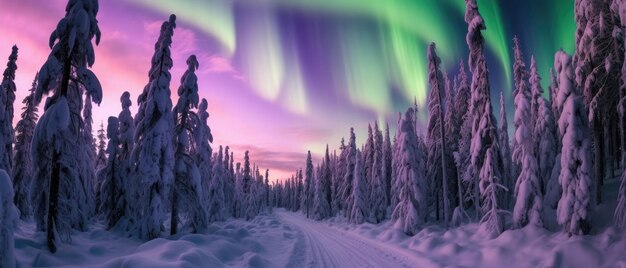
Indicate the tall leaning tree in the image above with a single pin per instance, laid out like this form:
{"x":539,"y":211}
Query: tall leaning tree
{"x":436,"y":132}
{"x":7,"y":97}
{"x":485,"y":158}
{"x":60,"y":200}
{"x":153,"y":155}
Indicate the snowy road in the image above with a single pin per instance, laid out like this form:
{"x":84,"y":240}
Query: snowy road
{"x":319,"y":245}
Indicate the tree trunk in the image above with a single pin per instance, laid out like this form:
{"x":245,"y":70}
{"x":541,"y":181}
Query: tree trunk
{"x":598,"y":158}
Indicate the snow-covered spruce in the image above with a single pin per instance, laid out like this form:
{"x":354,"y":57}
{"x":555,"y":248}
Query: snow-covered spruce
{"x":125,"y":170}
{"x":101,"y":156}
{"x":61,"y":185}
{"x":153,"y":155}
{"x":520,"y":77}
{"x":7,"y":98}
{"x":8,"y":221}
{"x":377,"y":196}
{"x":23,"y":164}
{"x":203,"y":152}
{"x":216,"y":208}
{"x":507,"y":180}
{"x":528,"y":197}
{"x":461,"y":154}
{"x":437,"y":170}
{"x":187,"y":182}
{"x":485,"y":159}
{"x":546,"y":150}
{"x":387,"y":158}
{"x":411,"y":210}
{"x":347,"y":186}
{"x":112,"y":196}
{"x":575,"y":176}
{"x":359,"y":195}
{"x":307,"y":200}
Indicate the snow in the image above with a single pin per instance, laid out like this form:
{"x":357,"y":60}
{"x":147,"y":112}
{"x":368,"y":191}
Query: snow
{"x":289,"y":239}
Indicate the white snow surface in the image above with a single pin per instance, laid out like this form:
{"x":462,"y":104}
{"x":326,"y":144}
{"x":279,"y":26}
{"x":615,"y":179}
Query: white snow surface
{"x":288,"y":239}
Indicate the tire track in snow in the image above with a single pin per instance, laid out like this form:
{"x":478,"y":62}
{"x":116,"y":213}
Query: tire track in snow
{"x":325,"y":246}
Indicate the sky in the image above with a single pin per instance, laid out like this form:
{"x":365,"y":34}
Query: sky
{"x":285,"y":76}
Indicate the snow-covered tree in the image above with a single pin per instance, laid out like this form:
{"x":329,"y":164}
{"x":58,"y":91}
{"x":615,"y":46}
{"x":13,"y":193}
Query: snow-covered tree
{"x":410,"y":211}
{"x":7,"y":98}
{"x":88,"y":142}
{"x":101,"y":158}
{"x":23,"y":164}
{"x":377,"y":196}
{"x":153,"y":155}
{"x":597,"y":65}
{"x":216,"y":205}
{"x":346,"y":190}
{"x":320,"y":204}
{"x":387,"y":157}
{"x":536,"y":92}
{"x":8,"y":221}
{"x":359,"y":211}
{"x":461,"y":154}
{"x":307,"y":200}
{"x":546,"y":144}
{"x":187,"y":182}
{"x":61,"y":189}
{"x":126,"y":144}
{"x":576,"y":165}
{"x":528,"y":204}
{"x":111,"y":186}
{"x":437,"y":169}
{"x":323,"y":209}
{"x":203,"y":151}
{"x":619,"y":7}
{"x":485,"y":158}
{"x":520,"y":77}
{"x":505,"y":149}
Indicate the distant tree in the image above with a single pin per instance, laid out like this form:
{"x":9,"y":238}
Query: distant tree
{"x":111,"y":186}
{"x":359,"y":195}
{"x":387,"y":158}
{"x":101,"y":159}
{"x":346,"y":190}
{"x":307,"y":201}
{"x":215,"y":193}
{"x":23,"y":164}
{"x":377,"y":195}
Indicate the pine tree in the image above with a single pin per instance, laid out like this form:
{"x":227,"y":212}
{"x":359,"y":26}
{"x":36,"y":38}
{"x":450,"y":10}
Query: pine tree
{"x":125,"y":169}
{"x":387,"y":158}
{"x":485,"y":158}
{"x":23,"y":164}
{"x":153,"y":155}
{"x":215,"y":205}
{"x":506,"y":150}
{"x":437,"y":169}
{"x":8,"y":221}
{"x":575,"y":177}
{"x":410,"y":212}
{"x":325,"y":182}
{"x":377,"y":196}
{"x":452,"y":124}
{"x":528,"y":204}
{"x":308,"y":186}
{"x":597,"y":62}
{"x":520,"y":76}
{"x":547,"y":149}
{"x":7,"y":98}
{"x":101,"y":159}
{"x":112,"y":202}
{"x":187,"y":181}
{"x":56,"y":138}
{"x":320,"y":204}
{"x":359,"y":211}
{"x":461,"y":155}
{"x":346,"y":190}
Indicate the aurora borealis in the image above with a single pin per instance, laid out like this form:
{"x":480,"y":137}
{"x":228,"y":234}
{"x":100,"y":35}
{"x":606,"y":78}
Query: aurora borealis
{"x":286,"y":76}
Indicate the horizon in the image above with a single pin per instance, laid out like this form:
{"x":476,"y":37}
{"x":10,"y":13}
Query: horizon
{"x":303,"y":72}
